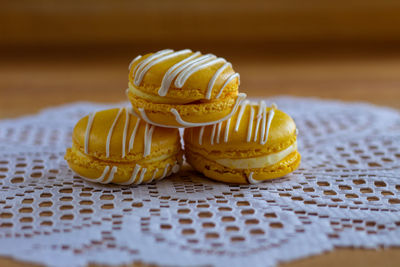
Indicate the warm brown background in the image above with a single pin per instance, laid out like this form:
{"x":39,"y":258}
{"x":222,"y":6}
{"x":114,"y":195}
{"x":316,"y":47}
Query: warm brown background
{"x":53,"y":52}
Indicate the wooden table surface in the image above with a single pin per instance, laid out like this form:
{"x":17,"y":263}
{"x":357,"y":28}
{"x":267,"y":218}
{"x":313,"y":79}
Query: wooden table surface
{"x":28,"y":84}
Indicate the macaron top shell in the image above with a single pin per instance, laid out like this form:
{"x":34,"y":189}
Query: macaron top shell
{"x":159,"y":74}
{"x":117,"y":135}
{"x":252,"y":131}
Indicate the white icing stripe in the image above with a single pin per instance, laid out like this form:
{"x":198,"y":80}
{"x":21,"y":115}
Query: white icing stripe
{"x":270,"y":117}
{"x":173,"y":72}
{"x":213,"y":134}
{"x":201,"y":135}
{"x":261,"y":107}
{"x":165,"y":172}
{"x":133,"y":61}
{"x":125,"y":132}
{"x":230,"y":78}
{"x":110,"y":176}
{"x":88,"y":129}
{"x":214,"y":78}
{"x":148,"y":136}
{"x":228,"y":124}
{"x":240,"y":115}
{"x":133,"y":176}
{"x":133,"y":135}
{"x":263,"y":125}
{"x":140,"y":74}
{"x":251,"y":180}
{"x":139,"y":67}
{"x":219,"y":131}
{"x":250,"y":126}
{"x":101,"y":178}
{"x":206,"y":61}
{"x":110,"y":132}
{"x":142,"y":173}
{"x":153,"y":177}
{"x":183,"y":123}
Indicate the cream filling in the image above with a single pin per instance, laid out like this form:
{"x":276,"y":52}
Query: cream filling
{"x":156,"y":98}
{"x":258,"y":162}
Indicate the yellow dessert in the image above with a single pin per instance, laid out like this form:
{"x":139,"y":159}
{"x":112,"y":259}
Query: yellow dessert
{"x":183,"y":88}
{"x":256,"y":144}
{"x":114,"y":146}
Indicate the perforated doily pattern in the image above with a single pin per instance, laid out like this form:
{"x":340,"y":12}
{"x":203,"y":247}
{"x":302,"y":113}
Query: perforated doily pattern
{"x":346,"y":193}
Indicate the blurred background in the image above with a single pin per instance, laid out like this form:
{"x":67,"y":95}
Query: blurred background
{"x":53,"y":52}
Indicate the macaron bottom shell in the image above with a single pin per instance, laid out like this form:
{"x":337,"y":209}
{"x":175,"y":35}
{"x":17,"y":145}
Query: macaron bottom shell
{"x":215,"y":171}
{"x":187,"y":115}
{"x":96,"y":170}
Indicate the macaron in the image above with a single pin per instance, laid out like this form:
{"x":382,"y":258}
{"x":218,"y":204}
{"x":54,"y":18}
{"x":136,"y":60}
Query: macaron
{"x":257,"y":143}
{"x":180,"y":89}
{"x":114,"y":146}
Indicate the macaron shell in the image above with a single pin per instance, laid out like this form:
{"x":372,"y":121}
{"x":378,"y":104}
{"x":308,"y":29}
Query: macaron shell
{"x":221,"y":173}
{"x":195,"y":87}
{"x":199,"y":112}
{"x":163,"y":139}
{"x":91,"y":168}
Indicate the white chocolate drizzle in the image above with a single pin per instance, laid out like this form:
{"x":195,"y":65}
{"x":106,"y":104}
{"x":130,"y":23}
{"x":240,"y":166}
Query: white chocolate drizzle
{"x":227,"y":126}
{"x":126,"y":125}
{"x":148,"y":136}
{"x":111,"y":175}
{"x":240,"y":115}
{"x":201,"y":135}
{"x":110,"y":132}
{"x":142,"y":173}
{"x":183,"y":123}
{"x":206,"y":61}
{"x":101,"y":178}
{"x":250,"y":126}
{"x":133,"y":176}
{"x":182,"y":70}
{"x":153,"y":177}
{"x":142,"y":71}
{"x":138,"y":68}
{"x":172,"y":72}
{"x":88,"y":129}
{"x":251,"y":180}
{"x":133,"y":61}
{"x":133,"y":135}
{"x":219,"y":131}
{"x":213,"y":134}
{"x":230,"y":78}
{"x":261,"y":129}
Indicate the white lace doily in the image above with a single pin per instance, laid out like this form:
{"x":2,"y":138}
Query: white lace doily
{"x":346,"y":193}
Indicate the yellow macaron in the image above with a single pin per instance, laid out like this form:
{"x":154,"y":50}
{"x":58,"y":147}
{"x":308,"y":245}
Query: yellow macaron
{"x":183,"y":88}
{"x":114,"y":146}
{"x":257,"y":143}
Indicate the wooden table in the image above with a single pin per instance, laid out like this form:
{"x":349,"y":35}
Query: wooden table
{"x":30,"y":83}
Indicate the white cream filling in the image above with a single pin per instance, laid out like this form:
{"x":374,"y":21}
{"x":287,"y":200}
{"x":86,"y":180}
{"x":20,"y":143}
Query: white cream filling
{"x":258,"y":162}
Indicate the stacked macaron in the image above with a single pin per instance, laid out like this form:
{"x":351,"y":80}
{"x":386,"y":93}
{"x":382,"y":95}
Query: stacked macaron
{"x":227,"y":138}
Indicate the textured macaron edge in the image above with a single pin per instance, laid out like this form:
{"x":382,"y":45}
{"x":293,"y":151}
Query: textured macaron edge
{"x":156,"y":150}
{"x":213,"y":170}
{"x":91,"y":168}
{"x":197,"y":112}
